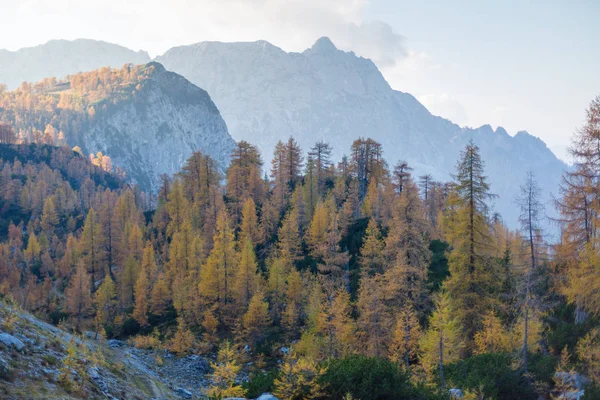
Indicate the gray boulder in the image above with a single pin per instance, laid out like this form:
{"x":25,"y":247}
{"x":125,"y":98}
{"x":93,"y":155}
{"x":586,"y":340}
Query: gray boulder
{"x":266,"y":396}
{"x":11,"y":341}
{"x":456,"y":393}
{"x":578,"y":381}
{"x":114,"y":343}
{"x":186,"y":394}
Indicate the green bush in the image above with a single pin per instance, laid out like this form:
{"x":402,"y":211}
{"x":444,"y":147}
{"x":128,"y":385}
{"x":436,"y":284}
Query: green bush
{"x":369,"y":378}
{"x":592,"y":392}
{"x":260,"y":383}
{"x":542,"y":367}
{"x":563,"y":329}
{"x":130,"y":327}
{"x":491,"y":372}
{"x":438,"y":268}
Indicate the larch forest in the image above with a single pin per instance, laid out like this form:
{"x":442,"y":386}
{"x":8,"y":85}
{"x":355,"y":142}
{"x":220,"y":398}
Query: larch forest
{"x":313,"y":278}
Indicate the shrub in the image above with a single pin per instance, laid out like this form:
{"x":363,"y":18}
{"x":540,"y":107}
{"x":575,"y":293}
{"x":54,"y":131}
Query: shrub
{"x":8,"y":324}
{"x":592,"y":392}
{"x":147,"y":341}
{"x":369,"y":378}
{"x":491,"y":374}
{"x":563,"y":329}
{"x":50,"y":360}
{"x":259,"y":383}
{"x":130,"y":327}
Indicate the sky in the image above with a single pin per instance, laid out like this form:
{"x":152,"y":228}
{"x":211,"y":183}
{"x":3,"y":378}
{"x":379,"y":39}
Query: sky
{"x":524,"y":65}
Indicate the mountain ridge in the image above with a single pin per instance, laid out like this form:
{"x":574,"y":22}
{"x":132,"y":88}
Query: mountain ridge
{"x":146,"y":119}
{"x":266,"y":94}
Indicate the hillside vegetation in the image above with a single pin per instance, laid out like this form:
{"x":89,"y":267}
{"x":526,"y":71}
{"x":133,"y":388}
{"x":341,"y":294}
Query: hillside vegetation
{"x":322,"y":280}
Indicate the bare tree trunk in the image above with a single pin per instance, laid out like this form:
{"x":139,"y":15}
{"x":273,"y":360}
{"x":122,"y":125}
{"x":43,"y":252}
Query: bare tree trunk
{"x":525,"y":338}
{"x":442,"y":382}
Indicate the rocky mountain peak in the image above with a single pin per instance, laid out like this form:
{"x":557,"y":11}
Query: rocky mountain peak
{"x":323,"y":45}
{"x":327,"y":94}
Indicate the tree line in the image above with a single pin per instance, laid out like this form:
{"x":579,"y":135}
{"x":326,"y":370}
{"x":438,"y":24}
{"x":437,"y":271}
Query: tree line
{"x":332,"y":259}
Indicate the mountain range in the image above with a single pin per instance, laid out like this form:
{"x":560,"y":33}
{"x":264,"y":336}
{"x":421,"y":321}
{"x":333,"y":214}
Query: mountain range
{"x":266,"y":94}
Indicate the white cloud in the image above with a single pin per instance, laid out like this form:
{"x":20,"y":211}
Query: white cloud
{"x":156,"y":25}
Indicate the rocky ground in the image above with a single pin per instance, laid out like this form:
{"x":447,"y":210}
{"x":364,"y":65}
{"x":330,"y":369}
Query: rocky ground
{"x":35,"y":363}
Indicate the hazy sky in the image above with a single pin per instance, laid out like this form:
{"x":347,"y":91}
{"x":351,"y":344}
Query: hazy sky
{"x":525,"y":65}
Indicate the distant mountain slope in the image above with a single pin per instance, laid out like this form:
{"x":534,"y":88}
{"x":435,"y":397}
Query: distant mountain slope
{"x":266,"y":94}
{"x":59,"y":58}
{"x":148,"y":120}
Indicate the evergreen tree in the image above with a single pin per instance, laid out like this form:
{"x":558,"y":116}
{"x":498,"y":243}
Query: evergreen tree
{"x":256,"y":320}
{"x":183,"y":340}
{"x":105,"y":301}
{"x":160,"y":298}
{"x":243,"y":178}
{"x":92,"y":246}
{"x":407,"y":248}
{"x":78,"y":295}
{"x":218,"y":273}
{"x":531,"y":209}
{"x":247,"y":281}
{"x":588,"y":351}
{"x":249,"y":227}
{"x":142,"y":293}
{"x":298,"y":379}
{"x":288,"y":243}
{"x":442,"y":342}
{"x":50,"y":218}
{"x":474,"y":281}
{"x":320,"y":154}
{"x":224,"y":376}
{"x":407,"y":333}
{"x":372,"y":261}
{"x":492,"y":338}
{"x":374,"y":321}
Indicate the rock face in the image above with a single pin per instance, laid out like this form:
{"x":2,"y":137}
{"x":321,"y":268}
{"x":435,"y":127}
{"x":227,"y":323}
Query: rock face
{"x":34,"y":372}
{"x":156,"y":131}
{"x":148,"y":120}
{"x":266,"y":94}
{"x":58,"y":58}
{"x":11,"y":341}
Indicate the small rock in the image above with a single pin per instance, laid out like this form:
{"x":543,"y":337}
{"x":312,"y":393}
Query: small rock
{"x":91,"y":334}
{"x":114,"y":343}
{"x":285,"y":350}
{"x":577,"y":380}
{"x":266,"y":396}
{"x":202,"y":366}
{"x":576,"y":395}
{"x":10,"y":340}
{"x":456,"y":393}
{"x":93,"y":373}
{"x":49,"y":371}
{"x":186,"y":394}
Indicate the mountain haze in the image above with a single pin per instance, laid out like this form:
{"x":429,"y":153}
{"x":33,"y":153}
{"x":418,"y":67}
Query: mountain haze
{"x":58,"y":58}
